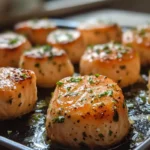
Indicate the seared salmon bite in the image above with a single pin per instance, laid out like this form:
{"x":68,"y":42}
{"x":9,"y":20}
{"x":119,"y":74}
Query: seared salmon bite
{"x":36,"y":30}
{"x":99,"y":32}
{"x":18,"y":93}
{"x":12,"y":45}
{"x":89,"y":110}
{"x":50,"y":64}
{"x":118,"y":62}
{"x":139,"y":39}
{"x":69,"y":40}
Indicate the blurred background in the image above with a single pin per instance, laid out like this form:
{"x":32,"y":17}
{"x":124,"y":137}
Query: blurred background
{"x":124,"y":12}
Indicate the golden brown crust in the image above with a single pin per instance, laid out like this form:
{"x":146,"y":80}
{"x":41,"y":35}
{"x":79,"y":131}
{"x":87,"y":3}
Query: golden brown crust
{"x":87,"y":108}
{"x":18,"y":93}
{"x":11,"y":76}
{"x":95,"y":106}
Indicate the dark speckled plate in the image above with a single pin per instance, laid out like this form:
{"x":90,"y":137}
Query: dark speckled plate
{"x":30,"y":129}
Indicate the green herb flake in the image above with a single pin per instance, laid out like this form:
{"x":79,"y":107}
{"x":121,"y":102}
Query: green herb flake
{"x":68,"y":88}
{"x":47,"y":48}
{"x":42,"y":104}
{"x":90,"y":46}
{"x":90,"y":80}
{"x":36,"y":117}
{"x":59,"y":119}
{"x":106,"y":47}
{"x":9,"y":132}
{"x":101,"y":135}
{"x":69,"y":36}
{"x":110,"y":133}
{"x":83,"y":99}
{"x":143,"y":98}
{"x":108,"y":51}
{"x":24,"y":76}
{"x":59,"y":83}
{"x":13,"y":41}
{"x":75,"y":79}
{"x":142,"y":32}
{"x":106,"y":93}
{"x":97,"y":75}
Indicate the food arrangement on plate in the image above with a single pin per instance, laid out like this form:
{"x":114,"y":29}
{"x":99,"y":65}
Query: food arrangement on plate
{"x":98,"y":75}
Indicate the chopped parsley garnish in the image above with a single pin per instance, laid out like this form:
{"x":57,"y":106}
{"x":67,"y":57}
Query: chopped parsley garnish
{"x":69,"y":36}
{"x":24,"y":76}
{"x":142,"y":32}
{"x":101,"y":135}
{"x":68,"y":88}
{"x":83,"y":99}
{"x":13,"y":41}
{"x":90,"y":80}
{"x":108,"y":51}
{"x":106,"y":93}
{"x":59,"y":119}
{"x":97,"y":75}
{"x":110,"y":132}
{"x":37,"y":65}
{"x":9,"y":132}
{"x":75,"y":79}
{"x":59,"y":83}
{"x":47,"y":48}
{"x":90,"y":46}
{"x":36,"y":117}
{"x":105,"y":47}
